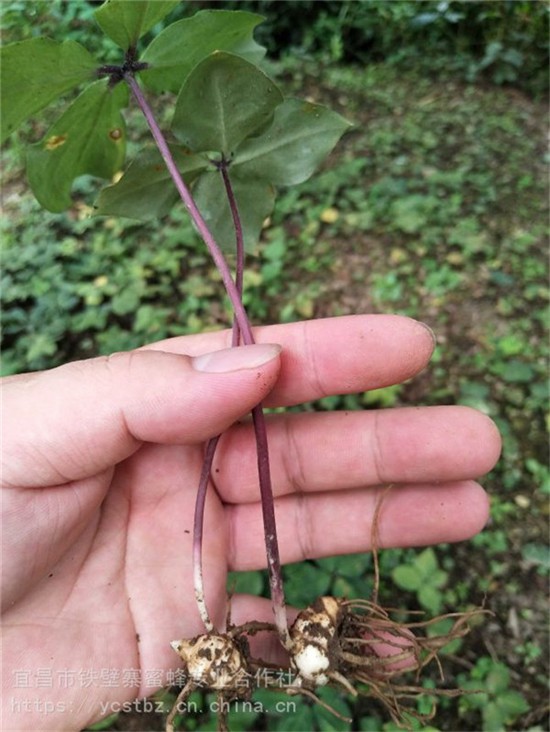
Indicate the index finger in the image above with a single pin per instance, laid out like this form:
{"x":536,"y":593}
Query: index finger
{"x":328,"y":356}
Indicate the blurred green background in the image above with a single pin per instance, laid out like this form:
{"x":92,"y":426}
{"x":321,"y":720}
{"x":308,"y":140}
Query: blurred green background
{"x":434,"y":206}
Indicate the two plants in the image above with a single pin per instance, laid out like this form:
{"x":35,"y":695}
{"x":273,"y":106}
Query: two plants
{"x":233,"y":140}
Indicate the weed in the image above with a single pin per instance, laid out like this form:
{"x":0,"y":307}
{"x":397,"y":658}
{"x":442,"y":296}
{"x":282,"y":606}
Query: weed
{"x":425,"y":577}
{"x":499,"y":705}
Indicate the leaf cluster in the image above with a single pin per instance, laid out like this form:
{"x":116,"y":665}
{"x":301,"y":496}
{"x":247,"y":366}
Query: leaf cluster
{"x":423,"y":576}
{"x":73,"y":288}
{"x":499,"y":704}
{"x":227,"y":113}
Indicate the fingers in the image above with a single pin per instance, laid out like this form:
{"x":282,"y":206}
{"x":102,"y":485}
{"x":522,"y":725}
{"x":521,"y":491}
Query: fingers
{"x":333,"y":355}
{"x":323,"y":462}
{"x":318,"y":525}
{"x":80,"y":419}
{"x":346,"y":450}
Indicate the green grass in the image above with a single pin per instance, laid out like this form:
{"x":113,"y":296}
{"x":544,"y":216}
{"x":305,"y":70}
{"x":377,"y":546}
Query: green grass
{"x":435,"y":207}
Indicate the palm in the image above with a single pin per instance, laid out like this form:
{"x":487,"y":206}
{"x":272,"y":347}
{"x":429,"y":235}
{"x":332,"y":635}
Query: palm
{"x":123,"y":591}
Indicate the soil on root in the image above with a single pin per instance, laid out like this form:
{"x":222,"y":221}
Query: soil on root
{"x":355,"y":646}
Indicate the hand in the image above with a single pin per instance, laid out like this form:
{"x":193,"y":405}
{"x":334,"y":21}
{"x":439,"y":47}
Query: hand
{"x":101,"y":466}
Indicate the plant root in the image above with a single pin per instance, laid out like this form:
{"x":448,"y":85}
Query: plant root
{"x":356,"y":645}
{"x":214,"y":662}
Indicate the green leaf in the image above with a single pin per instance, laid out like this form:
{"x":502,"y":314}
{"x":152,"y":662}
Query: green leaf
{"x":301,"y":135}
{"x":126,"y":301}
{"x":426,"y":562}
{"x":494,"y":718}
{"x":512,"y":704}
{"x":438,"y":578}
{"x":40,"y":344}
{"x":412,"y":213}
{"x":498,"y":678}
{"x":476,"y":697}
{"x":407,"y":577}
{"x":348,"y":565}
{"x":443,"y":627}
{"x":249,"y":583}
{"x":298,"y":721}
{"x":304,"y":582}
{"x":325,"y":719}
{"x":241,"y":718}
{"x":146,"y":189}
{"x":430,"y":598}
{"x":125,"y":22}
{"x":181,"y":46}
{"x":223,"y":101}
{"x":517,"y":371}
{"x":537,"y":554}
{"x":255,"y":200}
{"x":37,"y":71}
{"x":89,"y":138}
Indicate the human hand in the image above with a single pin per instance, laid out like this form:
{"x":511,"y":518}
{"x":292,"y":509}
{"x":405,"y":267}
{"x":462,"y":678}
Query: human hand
{"x":101,"y":467}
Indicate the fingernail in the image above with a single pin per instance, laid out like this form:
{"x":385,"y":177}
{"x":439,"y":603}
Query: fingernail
{"x":430,"y":331}
{"x":234,"y":359}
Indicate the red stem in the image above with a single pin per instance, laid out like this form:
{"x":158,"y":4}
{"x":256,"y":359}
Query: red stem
{"x":266,"y":491}
{"x":209,"y":453}
{"x":264,"y":472}
{"x":185,"y":195}
{"x":239,"y":236}
{"x":198,"y":524}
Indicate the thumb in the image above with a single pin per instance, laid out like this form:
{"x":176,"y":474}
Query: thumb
{"x":82,"y":418}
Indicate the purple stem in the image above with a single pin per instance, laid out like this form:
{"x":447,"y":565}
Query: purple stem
{"x":266,"y":491}
{"x":198,"y":524}
{"x":213,"y":248}
{"x":239,"y":237}
{"x":200,"y":503}
{"x":209,"y":453}
{"x":264,"y":472}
